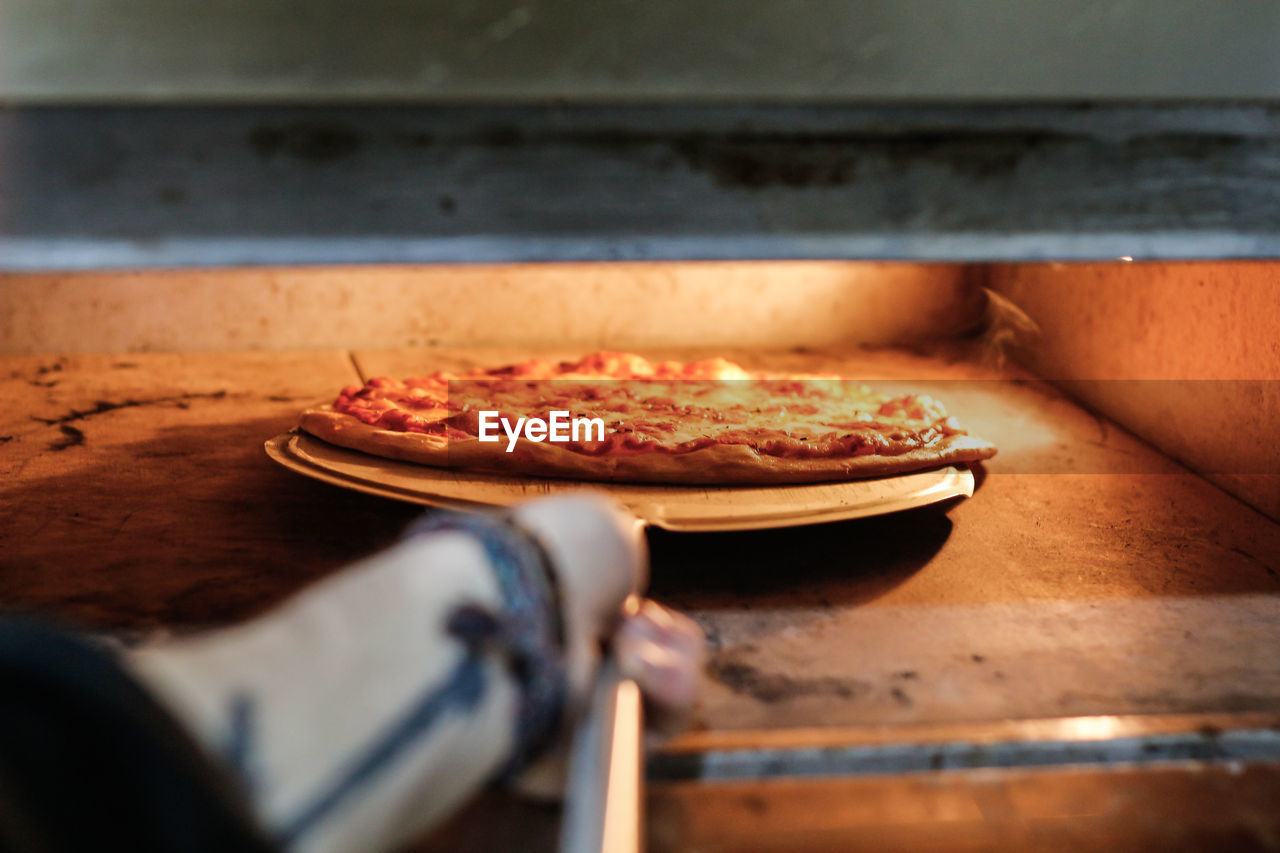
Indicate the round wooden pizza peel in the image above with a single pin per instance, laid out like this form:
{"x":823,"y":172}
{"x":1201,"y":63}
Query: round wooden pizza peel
{"x":683,"y":508}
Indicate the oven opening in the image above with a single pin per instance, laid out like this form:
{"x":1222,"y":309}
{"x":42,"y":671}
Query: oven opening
{"x":1081,"y":614}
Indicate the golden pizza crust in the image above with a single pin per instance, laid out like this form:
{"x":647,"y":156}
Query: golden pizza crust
{"x":721,"y":464}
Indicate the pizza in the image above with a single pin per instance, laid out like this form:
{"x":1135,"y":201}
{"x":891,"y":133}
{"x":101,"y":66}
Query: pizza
{"x":613,"y":416}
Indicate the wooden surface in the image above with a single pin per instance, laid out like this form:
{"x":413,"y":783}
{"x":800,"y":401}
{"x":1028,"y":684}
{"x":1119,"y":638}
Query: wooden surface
{"x":683,"y":508}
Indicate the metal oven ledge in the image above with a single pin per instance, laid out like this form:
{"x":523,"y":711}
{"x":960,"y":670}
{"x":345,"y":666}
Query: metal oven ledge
{"x":130,"y":186}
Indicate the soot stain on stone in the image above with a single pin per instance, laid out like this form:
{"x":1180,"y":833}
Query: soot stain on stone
{"x":759,"y":160}
{"x":103,"y":406}
{"x":1271,"y":572}
{"x":772,"y":687}
{"x":308,"y":141}
{"x":1196,"y":147}
{"x":71,"y":437}
{"x":764,"y":163}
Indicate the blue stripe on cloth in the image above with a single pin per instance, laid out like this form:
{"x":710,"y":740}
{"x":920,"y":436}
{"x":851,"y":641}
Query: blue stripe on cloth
{"x":530,"y":633}
{"x":527,"y":631}
{"x":239,"y":746}
{"x":461,"y":691}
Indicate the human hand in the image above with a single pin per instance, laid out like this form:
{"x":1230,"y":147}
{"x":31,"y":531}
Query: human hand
{"x":663,"y":652}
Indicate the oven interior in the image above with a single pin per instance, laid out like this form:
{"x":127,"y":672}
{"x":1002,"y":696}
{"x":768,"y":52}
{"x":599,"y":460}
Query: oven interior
{"x":1086,"y":642}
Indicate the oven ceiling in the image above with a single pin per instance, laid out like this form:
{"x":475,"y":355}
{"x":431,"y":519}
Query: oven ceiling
{"x":238,"y":132}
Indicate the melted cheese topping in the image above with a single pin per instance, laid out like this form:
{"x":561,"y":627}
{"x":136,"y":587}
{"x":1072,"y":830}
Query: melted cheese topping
{"x":668,"y":407}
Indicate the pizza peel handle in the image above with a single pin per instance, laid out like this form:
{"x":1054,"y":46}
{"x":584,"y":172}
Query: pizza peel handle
{"x":604,"y":795}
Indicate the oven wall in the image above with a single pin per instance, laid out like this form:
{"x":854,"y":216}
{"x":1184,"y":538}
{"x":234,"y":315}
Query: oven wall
{"x":762,"y":304}
{"x":1201,"y":339}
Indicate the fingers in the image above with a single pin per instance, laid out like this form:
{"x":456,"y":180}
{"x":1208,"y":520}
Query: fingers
{"x":662,"y":651}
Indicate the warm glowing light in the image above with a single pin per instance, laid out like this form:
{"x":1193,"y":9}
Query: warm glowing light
{"x":1128,"y":258}
{"x":1091,"y":728}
